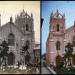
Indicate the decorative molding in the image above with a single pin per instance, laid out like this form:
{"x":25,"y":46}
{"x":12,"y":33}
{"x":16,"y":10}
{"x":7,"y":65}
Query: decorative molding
{"x":52,"y":40}
{"x":65,"y":40}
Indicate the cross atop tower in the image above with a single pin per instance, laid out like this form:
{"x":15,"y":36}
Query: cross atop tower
{"x":57,"y":22}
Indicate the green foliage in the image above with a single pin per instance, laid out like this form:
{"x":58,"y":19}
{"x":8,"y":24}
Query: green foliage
{"x":44,"y":56}
{"x":68,"y":53}
{"x":68,"y":50}
{"x":4,"y":48}
{"x":4,"y":51}
{"x":25,"y":48}
{"x":61,"y":68}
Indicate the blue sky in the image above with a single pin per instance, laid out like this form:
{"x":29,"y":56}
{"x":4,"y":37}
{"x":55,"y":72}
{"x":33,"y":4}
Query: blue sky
{"x":67,"y":7}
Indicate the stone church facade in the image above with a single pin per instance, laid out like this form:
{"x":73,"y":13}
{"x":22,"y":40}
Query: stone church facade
{"x":18,"y":34}
{"x":58,"y":38}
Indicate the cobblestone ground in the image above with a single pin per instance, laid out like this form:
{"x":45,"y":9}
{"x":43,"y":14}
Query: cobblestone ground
{"x":29,"y":70}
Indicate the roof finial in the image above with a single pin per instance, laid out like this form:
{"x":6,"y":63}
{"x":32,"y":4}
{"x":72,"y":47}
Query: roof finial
{"x":31,"y":15}
{"x":74,"y":26}
{"x":52,"y":13}
{"x":63,"y":16}
{"x":57,"y":13}
{"x":10,"y":24}
{"x":23,"y":7}
{"x":23,"y":10}
{"x":26,"y":13}
{"x":74,"y":23}
{"x":11,"y":19}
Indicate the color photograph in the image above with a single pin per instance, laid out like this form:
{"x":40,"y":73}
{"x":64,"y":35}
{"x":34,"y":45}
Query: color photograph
{"x":58,"y":37}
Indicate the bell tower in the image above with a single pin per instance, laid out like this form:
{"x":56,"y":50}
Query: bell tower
{"x":57,"y":22}
{"x":55,"y":41}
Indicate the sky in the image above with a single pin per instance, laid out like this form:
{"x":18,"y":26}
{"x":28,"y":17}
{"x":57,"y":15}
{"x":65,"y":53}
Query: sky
{"x":64,"y":7}
{"x":12,"y":8}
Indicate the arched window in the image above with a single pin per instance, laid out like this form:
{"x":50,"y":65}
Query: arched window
{"x":27,"y":27}
{"x":57,"y":45}
{"x":74,"y":41}
{"x":57,"y":27}
{"x":11,"y":39}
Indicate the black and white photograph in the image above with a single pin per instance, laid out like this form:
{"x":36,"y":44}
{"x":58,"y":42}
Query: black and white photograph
{"x":19,"y":37}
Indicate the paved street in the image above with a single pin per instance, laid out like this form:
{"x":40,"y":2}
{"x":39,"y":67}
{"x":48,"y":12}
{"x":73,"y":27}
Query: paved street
{"x":45,"y":71}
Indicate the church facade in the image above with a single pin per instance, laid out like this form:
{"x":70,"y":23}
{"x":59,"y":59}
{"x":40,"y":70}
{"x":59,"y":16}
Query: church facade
{"x":18,"y":34}
{"x":58,"y":38}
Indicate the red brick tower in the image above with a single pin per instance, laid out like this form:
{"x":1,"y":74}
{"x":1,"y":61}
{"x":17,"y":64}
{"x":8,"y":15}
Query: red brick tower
{"x":55,"y":40}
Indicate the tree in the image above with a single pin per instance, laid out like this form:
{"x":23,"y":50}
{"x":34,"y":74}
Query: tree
{"x":68,"y":54}
{"x":44,"y":56}
{"x":4,"y":50}
{"x":43,"y":59}
{"x":66,"y":59}
{"x":25,"y":48}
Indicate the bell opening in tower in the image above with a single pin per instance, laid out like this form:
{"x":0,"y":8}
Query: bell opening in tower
{"x":57,"y":27}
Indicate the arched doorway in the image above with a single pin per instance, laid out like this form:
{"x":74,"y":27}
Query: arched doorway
{"x":73,"y":59}
{"x":11,"y":58}
{"x":58,"y":60}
